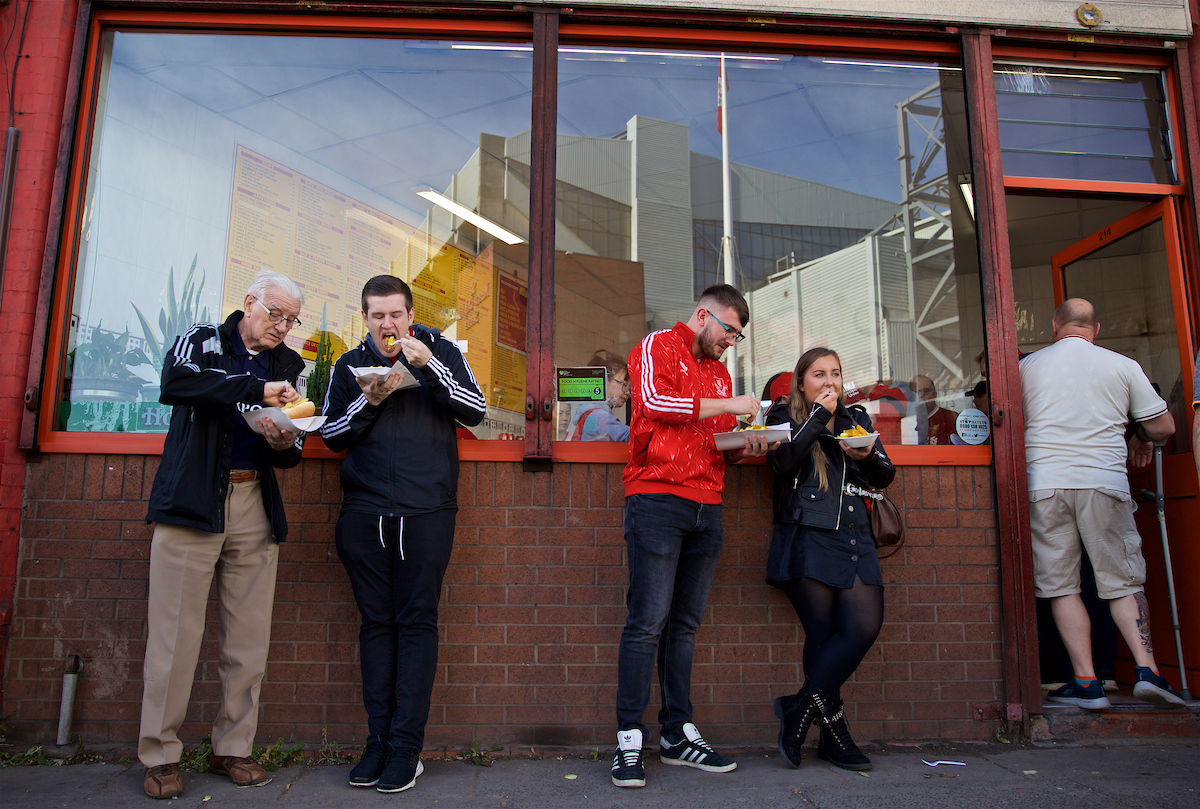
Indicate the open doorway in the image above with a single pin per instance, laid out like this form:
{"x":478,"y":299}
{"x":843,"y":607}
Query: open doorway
{"x":1124,"y":256}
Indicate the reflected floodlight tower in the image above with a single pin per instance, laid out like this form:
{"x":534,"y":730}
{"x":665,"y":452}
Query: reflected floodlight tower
{"x":928,"y":235}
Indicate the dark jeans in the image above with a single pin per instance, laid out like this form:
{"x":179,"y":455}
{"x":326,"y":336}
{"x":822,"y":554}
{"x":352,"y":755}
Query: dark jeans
{"x":395,"y":566}
{"x":673,"y":546}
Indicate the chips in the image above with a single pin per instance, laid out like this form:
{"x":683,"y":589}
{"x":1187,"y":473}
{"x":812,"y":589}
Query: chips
{"x":853,"y":432}
{"x":742,"y":427}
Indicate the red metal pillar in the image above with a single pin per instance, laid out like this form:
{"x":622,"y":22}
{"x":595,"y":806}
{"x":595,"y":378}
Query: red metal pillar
{"x":539,"y":362}
{"x":1022,"y":690}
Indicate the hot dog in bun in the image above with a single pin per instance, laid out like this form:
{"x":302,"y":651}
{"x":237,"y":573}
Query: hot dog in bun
{"x":299,"y":409}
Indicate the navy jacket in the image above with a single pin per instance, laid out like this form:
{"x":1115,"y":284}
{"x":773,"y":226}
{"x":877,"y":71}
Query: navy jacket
{"x":799,"y":497}
{"x":402,"y":455}
{"x":200,"y":378}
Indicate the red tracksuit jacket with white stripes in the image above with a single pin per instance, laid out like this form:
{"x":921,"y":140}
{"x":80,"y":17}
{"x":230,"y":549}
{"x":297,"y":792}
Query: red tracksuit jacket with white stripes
{"x":671,"y":451}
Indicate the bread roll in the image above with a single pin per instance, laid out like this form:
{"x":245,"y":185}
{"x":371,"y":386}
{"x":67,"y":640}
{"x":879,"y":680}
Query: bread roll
{"x":300,"y":409}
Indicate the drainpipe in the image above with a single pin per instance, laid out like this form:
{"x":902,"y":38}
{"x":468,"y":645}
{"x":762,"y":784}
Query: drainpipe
{"x":7,"y":174}
{"x":64,"y":748}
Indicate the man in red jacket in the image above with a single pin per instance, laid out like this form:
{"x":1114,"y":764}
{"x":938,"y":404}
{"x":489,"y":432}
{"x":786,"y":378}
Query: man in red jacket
{"x":673,"y":484}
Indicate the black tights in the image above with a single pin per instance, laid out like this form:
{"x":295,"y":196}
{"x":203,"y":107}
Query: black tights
{"x":839,"y":627}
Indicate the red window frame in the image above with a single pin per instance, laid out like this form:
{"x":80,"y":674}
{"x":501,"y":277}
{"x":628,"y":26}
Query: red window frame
{"x":914,"y":41}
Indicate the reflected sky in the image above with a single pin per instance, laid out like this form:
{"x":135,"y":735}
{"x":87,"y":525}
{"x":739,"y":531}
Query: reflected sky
{"x":392,"y":114}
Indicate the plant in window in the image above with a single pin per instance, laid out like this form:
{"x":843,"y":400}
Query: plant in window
{"x":318,"y":378}
{"x":177,"y":317}
{"x":101,"y":367}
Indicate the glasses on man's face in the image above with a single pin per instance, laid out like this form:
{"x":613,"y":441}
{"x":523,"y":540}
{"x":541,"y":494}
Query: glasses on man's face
{"x":729,"y":332}
{"x":277,"y":317}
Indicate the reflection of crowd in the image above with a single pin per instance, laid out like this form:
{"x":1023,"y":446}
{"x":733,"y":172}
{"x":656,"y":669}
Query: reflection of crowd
{"x":935,"y":424}
{"x":597,"y":421}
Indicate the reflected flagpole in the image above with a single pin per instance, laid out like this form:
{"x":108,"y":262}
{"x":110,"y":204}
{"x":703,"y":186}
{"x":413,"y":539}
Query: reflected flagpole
{"x":726,"y":201}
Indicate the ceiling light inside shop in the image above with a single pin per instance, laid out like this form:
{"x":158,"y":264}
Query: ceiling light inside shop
{"x":466,"y":214}
{"x":909,"y":65}
{"x":614,"y":52}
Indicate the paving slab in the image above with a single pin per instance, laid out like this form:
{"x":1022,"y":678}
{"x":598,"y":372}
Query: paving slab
{"x":1128,"y":776}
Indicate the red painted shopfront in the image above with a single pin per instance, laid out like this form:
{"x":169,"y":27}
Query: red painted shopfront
{"x":137,"y":121}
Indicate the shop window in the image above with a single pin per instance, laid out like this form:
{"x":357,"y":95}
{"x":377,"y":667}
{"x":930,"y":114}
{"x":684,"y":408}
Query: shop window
{"x":1084,"y":124}
{"x":327,"y":159}
{"x":849,"y":227}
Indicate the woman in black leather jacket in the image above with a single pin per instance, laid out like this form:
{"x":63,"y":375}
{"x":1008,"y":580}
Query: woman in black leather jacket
{"x":822,"y":554}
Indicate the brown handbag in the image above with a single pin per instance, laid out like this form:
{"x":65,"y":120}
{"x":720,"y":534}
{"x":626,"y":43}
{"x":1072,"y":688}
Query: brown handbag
{"x":887,"y":525}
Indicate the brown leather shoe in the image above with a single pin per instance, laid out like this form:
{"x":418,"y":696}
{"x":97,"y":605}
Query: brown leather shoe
{"x":163,"y":781}
{"x":242,"y":770}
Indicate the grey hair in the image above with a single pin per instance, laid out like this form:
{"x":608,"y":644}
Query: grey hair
{"x":268,"y":280}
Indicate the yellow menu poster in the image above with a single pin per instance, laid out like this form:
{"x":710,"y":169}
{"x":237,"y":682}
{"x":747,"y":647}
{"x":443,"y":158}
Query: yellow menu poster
{"x":322,"y":239}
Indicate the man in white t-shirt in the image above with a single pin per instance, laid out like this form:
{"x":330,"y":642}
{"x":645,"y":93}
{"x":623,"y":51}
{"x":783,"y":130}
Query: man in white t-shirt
{"x":1078,"y":399}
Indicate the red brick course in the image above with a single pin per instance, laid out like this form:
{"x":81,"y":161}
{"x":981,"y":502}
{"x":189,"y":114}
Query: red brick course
{"x":531,"y":614}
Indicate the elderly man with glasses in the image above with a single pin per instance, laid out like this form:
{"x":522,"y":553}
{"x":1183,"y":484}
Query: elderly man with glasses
{"x":218,"y":511}
{"x":673,"y":535}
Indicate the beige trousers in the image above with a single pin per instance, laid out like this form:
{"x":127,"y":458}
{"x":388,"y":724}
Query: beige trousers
{"x":182,"y":564}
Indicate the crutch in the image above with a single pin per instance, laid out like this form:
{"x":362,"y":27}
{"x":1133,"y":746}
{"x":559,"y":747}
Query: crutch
{"x":1160,"y":502}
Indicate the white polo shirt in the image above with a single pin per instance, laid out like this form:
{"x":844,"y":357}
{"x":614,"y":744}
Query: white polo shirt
{"x":1077,"y":399}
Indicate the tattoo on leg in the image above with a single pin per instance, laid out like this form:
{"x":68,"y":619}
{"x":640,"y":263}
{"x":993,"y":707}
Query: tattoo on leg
{"x":1143,"y":621}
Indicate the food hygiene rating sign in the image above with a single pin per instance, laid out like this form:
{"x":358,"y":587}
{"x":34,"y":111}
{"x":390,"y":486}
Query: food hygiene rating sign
{"x":581,"y":384}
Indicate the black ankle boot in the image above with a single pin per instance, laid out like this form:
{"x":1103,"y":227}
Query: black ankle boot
{"x":796,"y":715}
{"x":836,"y":746}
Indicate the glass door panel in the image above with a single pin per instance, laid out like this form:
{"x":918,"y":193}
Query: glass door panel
{"x":1125,"y":270}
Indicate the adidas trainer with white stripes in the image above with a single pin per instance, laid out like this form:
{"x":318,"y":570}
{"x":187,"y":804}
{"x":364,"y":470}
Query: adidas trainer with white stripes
{"x":693,"y":751}
{"x":628,"y":769}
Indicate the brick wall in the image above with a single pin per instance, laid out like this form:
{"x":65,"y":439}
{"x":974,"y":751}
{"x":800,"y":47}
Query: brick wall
{"x":532,"y":612}
{"x":41,"y":66}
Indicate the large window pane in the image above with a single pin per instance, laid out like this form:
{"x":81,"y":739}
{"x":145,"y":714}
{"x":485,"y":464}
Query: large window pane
{"x":327,"y":159}
{"x":1084,"y":124}
{"x":849,"y":226}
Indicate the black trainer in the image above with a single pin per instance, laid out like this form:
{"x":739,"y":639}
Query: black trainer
{"x":693,"y":751}
{"x":369,"y":767}
{"x":1154,"y":688}
{"x":1090,"y":697}
{"x":401,"y":771}
{"x":836,"y":746}
{"x":628,"y":770}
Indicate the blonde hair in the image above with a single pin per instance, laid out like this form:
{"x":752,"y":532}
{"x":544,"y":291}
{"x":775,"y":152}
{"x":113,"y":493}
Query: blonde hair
{"x":798,"y":406}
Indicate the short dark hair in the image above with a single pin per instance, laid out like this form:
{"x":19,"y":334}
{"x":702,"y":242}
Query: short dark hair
{"x":381,"y":286}
{"x":728,"y":297}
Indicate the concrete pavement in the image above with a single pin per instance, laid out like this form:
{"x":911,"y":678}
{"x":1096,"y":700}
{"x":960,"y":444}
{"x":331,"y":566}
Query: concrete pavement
{"x":1154,"y":776}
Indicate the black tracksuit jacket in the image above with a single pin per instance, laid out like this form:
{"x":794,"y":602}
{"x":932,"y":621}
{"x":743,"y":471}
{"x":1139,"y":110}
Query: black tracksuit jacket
{"x":402,"y":455}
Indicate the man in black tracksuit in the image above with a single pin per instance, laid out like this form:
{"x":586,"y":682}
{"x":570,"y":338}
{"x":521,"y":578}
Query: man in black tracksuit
{"x":396,"y":529}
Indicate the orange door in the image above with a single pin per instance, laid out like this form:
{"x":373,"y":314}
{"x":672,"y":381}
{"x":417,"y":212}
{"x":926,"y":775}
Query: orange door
{"x":1132,"y":271}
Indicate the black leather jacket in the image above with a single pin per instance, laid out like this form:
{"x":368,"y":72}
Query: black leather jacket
{"x":799,"y":497}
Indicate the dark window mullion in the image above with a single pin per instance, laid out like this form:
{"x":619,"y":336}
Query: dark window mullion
{"x":539,"y":368}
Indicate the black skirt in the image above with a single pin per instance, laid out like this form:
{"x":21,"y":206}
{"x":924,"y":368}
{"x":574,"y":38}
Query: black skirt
{"x":832,"y":557}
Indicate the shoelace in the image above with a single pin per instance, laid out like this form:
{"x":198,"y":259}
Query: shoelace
{"x":841,"y":733}
{"x":699,"y":742}
{"x":813,"y":710}
{"x":628,"y":757}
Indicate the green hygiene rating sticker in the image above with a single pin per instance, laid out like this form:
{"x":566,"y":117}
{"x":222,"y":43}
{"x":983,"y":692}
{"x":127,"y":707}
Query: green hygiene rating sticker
{"x":581,"y":384}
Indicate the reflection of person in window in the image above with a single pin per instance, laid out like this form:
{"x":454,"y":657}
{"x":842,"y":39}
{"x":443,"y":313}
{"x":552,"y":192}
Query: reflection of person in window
{"x":938,"y":422}
{"x":893,"y":408}
{"x":594,"y":421}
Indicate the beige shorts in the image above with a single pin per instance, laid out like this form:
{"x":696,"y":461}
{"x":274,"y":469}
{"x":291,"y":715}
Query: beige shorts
{"x":1067,"y":521}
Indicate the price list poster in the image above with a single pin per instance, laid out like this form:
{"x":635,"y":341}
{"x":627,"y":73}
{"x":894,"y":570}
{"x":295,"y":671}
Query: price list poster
{"x":324,"y":240}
